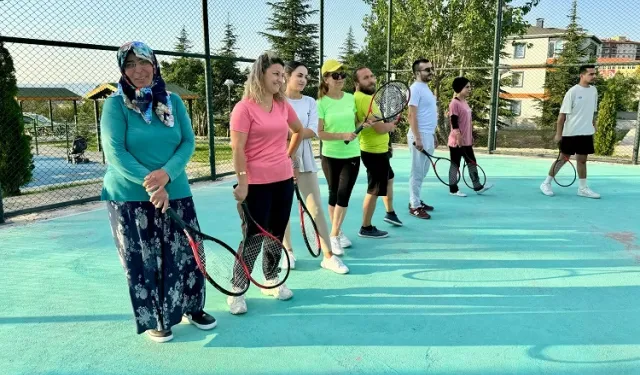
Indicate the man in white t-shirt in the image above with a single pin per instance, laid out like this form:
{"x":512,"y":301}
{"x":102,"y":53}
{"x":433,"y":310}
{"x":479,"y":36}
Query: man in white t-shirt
{"x":575,"y":128}
{"x":423,"y":120}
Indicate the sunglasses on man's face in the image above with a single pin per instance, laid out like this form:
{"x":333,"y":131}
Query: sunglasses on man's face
{"x":338,"y":75}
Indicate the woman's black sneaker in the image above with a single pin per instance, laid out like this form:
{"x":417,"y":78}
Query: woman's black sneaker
{"x":202,"y":320}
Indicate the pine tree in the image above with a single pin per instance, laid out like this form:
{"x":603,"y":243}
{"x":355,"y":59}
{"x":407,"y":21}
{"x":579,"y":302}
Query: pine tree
{"x":349,"y":48}
{"x":184,"y":44}
{"x":605,"y":137}
{"x":560,"y":80}
{"x":16,"y":160}
{"x":295,"y":39}
{"x":224,"y":69}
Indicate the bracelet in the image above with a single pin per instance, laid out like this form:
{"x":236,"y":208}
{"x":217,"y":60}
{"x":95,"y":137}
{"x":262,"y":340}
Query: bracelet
{"x":243,"y":173}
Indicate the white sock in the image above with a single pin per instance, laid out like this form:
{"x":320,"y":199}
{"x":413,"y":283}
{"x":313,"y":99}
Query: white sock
{"x":583,"y":183}
{"x":548,"y":180}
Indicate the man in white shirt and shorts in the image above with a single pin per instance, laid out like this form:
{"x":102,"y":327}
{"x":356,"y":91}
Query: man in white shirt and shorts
{"x":575,"y":128}
{"x":423,"y":120}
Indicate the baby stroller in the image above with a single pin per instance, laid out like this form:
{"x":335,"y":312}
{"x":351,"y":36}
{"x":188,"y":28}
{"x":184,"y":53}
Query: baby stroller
{"x":76,"y":154}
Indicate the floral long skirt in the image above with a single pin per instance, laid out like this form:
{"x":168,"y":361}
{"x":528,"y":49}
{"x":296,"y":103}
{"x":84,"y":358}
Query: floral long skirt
{"x":164,"y":281}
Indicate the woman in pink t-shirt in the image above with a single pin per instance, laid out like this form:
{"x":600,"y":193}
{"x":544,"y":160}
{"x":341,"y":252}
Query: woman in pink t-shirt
{"x":461,"y":138}
{"x":260,"y":125}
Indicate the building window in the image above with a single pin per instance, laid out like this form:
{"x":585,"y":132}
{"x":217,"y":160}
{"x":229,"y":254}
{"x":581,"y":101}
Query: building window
{"x":555,"y":48}
{"x":517,"y":79}
{"x":518,"y":51}
{"x":516,"y":107}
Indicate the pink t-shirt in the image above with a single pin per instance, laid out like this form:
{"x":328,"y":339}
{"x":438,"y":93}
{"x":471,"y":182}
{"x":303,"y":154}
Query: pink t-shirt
{"x":461,"y":109}
{"x":267,"y":132}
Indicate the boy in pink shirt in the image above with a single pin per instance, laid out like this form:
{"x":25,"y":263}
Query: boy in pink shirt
{"x":461,"y":138}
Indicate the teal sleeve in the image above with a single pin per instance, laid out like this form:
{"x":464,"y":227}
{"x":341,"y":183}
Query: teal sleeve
{"x":113,"y":126}
{"x":178,"y":162}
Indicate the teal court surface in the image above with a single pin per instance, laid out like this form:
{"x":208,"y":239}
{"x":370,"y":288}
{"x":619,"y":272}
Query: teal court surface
{"x":511,"y":282}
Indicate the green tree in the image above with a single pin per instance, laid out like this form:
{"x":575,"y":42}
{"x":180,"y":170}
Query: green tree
{"x":184,"y":43}
{"x":560,"y":79}
{"x":348,"y":56}
{"x":451,"y":34}
{"x":226,"y":68}
{"x":16,"y":160}
{"x":605,"y":137}
{"x":292,"y":37}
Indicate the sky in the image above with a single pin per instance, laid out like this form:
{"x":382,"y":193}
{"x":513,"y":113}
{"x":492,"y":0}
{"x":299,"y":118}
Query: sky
{"x":158,"y":22}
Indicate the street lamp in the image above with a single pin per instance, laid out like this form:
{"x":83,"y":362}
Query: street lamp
{"x":229,"y":83}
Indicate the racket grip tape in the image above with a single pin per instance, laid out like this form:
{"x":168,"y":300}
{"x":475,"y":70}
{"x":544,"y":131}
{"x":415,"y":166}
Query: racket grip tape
{"x":358,"y":130}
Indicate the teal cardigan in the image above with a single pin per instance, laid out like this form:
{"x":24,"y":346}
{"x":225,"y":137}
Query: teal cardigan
{"x":133,"y":149}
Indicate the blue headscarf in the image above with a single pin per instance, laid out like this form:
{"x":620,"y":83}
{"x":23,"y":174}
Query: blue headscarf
{"x":144,"y":100}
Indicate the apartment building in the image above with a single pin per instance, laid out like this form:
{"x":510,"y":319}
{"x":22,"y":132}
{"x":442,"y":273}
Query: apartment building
{"x":526,"y":59}
{"x":620,"y":47}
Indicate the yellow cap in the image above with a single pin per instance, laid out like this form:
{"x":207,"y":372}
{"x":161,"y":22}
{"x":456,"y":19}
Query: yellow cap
{"x":330,"y":66}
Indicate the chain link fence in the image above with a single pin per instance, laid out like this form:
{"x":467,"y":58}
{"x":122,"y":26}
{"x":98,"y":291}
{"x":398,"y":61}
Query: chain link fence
{"x":63,"y":55}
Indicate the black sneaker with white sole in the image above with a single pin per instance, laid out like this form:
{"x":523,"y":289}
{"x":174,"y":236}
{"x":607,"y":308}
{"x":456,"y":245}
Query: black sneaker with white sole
{"x":160,"y":336}
{"x":202,"y":320}
{"x":392,"y":218}
{"x":372,"y":232}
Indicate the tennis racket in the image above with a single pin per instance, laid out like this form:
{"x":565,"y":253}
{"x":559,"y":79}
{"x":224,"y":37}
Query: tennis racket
{"x":264,"y":249}
{"x":476,"y":174}
{"x":308,"y":226}
{"x":219,"y":270}
{"x":564,"y":177}
{"x":387,"y":102}
{"x":443,"y":168}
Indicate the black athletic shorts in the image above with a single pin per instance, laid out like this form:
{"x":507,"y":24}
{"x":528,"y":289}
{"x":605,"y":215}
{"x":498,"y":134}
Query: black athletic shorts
{"x":578,"y":144}
{"x":379,"y":172}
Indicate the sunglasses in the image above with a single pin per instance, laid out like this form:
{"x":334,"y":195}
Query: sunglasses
{"x":338,"y":75}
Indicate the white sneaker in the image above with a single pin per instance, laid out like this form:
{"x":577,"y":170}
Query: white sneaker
{"x":336,"y":246}
{"x":546,"y":189}
{"x":344,"y":241}
{"x":486,"y":187}
{"x":237,"y":305}
{"x":334,"y":264}
{"x":588,"y":193}
{"x":458,"y":194}
{"x":282,"y":292}
{"x":292,"y":260}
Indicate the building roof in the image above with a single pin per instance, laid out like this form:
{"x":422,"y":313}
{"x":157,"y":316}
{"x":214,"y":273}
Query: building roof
{"x":614,"y":41}
{"x":46,"y":94}
{"x":534,"y":32}
{"x":106,"y":89}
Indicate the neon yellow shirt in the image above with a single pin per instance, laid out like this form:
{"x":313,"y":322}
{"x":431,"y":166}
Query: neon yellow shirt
{"x":370,"y":140}
{"x":339,"y":117}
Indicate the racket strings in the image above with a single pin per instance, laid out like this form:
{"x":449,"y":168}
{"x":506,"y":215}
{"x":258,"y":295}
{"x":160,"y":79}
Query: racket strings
{"x":474,"y":176}
{"x":265,"y":252}
{"x":218,"y":263}
{"x":391,"y":99}
{"x":310,"y":233}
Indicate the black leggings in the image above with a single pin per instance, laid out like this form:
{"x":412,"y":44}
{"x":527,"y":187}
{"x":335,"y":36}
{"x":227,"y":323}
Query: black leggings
{"x":270,"y":206}
{"x":457,"y":153}
{"x":341,"y":175}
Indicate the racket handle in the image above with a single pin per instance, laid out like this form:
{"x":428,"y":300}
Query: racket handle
{"x":358,"y":130}
{"x":174,"y":216}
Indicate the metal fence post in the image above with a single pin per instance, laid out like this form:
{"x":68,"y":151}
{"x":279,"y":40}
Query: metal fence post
{"x":1,"y":207}
{"x":389,"y":21}
{"x":321,"y":45}
{"x":636,"y":143}
{"x":495,"y":81}
{"x":209,"y":89}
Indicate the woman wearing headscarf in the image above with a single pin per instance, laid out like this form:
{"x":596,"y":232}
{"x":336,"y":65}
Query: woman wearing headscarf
{"x":148,"y":140}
